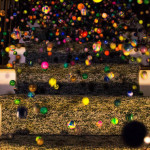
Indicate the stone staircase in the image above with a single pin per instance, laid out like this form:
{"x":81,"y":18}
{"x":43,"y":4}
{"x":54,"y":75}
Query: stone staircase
{"x":65,"y":104}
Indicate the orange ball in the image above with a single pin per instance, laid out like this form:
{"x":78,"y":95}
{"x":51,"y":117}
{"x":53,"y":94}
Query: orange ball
{"x":26,"y":33}
{"x":52,"y":2}
{"x":101,"y":35}
{"x":80,"y":6}
{"x":99,"y":30}
{"x":120,"y":46}
{"x":40,"y":141}
{"x":106,"y":53}
{"x":117,"y":49}
{"x":49,"y":53}
{"x":74,"y":17}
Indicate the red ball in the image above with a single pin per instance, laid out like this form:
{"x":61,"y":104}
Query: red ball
{"x":72,"y":63}
{"x":84,"y":34}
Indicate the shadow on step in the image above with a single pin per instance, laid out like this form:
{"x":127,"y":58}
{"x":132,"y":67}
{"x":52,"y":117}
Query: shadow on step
{"x":105,"y":141}
{"x":83,"y":88}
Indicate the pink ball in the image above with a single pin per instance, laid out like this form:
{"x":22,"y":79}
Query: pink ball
{"x":143,"y":50}
{"x":44,"y":65}
{"x":99,"y":124}
{"x":77,"y":39}
{"x":64,"y":40}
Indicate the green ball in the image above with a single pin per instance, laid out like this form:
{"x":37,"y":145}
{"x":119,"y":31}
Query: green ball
{"x":106,"y":69}
{"x":129,"y":117}
{"x":4,"y":33}
{"x":43,"y":110}
{"x":12,"y":82}
{"x":14,"y":53}
{"x":25,"y":54}
{"x":38,"y":137}
{"x":97,"y":15}
{"x":17,"y":101}
{"x":114,"y":121}
{"x":123,"y":57}
{"x":33,"y":28}
{"x":97,"y":54}
{"x":117,"y":102}
{"x":65,"y":65}
{"x":84,"y":76}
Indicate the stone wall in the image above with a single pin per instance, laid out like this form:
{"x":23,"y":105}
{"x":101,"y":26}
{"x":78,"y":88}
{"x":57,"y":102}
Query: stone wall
{"x":62,"y":109}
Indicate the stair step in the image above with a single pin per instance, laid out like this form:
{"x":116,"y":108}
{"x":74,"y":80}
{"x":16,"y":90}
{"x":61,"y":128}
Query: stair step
{"x":94,"y":84}
{"x":60,"y":55}
{"x":62,"y":109}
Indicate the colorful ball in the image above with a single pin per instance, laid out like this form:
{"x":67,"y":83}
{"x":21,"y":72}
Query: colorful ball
{"x":110,"y":75}
{"x":44,"y":65}
{"x":130,"y":93}
{"x":38,"y":137}
{"x":114,"y":121}
{"x":99,"y":124}
{"x":46,"y":9}
{"x":31,"y":95}
{"x":144,"y":75}
{"x":71,"y":124}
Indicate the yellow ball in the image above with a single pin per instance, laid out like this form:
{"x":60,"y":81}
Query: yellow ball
{"x":97,"y":1}
{"x":139,"y":59}
{"x":7,"y":49}
{"x":134,"y":87}
{"x":121,"y":38}
{"x":79,"y":18}
{"x":61,"y":1}
{"x":147,"y":53}
{"x":87,"y":62}
{"x":56,"y":86}
{"x":52,"y":82}
{"x":126,"y":53}
{"x":95,"y":29}
{"x":112,"y":45}
{"x":85,"y":100}
{"x":95,"y":20}
{"x":140,"y":21}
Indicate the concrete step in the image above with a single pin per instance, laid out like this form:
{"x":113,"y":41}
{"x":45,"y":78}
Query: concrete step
{"x":94,"y":84}
{"x":62,"y":109}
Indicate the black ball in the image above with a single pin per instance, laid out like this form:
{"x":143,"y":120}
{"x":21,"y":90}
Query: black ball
{"x":133,"y":134}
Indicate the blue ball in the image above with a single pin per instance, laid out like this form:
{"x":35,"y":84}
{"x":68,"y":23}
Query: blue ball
{"x":130,"y":93}
{"x":76,"y":58}
{"x":62,"y":33}
{"x":106,"y":79}
{"x":31,"y":94}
